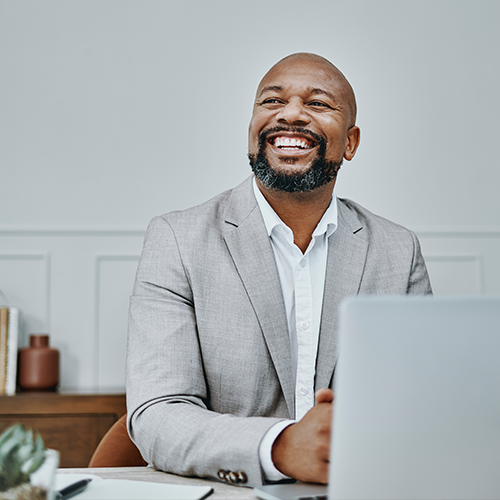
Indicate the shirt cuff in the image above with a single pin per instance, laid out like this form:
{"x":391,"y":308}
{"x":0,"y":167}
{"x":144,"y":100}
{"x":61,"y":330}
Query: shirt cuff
{"x":271,"y":473}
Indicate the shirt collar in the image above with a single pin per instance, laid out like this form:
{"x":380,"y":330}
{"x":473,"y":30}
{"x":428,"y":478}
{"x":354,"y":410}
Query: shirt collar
{"x":328,"y":223}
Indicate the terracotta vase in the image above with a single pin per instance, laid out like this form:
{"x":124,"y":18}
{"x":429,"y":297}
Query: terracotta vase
{"x":39,"y":365}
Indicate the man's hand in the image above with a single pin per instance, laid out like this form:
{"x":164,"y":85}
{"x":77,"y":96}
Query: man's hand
{"x":302,"y":450}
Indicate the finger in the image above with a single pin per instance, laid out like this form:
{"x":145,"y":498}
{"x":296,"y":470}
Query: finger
{"x":324,"y":396}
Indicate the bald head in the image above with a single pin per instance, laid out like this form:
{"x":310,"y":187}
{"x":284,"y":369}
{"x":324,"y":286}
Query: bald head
{"x":303,"y":125}
{"x":304,"y":61}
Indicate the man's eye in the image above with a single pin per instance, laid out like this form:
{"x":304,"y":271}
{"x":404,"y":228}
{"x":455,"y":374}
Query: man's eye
{"x":271,"y":100}
{"x":319,"y":104}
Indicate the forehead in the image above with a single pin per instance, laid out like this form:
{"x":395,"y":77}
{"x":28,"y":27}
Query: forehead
{"x":302,"y":76}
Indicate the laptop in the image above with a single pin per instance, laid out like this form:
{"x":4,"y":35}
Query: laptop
{"x":417,"y":402}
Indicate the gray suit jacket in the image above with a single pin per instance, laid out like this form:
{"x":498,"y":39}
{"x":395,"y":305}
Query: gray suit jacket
{"x":209,"y":365}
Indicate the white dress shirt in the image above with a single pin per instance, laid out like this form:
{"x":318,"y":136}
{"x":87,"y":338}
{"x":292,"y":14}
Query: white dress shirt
{"x":302,"y":277}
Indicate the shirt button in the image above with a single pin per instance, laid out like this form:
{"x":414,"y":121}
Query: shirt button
{"x":304,"y":325}
{"x":303,"y":263}
{"x":304,"y":391}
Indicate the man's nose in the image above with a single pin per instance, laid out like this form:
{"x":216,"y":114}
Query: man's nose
{"x":293,"y":112}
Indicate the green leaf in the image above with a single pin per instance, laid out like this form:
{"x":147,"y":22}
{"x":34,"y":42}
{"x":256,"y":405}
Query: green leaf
{"x":6,"y":435}
{"x":22,"y":452}
{"x":39,"y":445}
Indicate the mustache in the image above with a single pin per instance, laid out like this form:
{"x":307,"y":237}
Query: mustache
{"x":294,"y":130}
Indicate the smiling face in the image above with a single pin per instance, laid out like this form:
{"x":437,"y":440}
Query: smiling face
{"x":302,"y":125}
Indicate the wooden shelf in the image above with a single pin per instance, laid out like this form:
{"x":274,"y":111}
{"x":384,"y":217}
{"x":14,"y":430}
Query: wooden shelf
{"x":73,"y":424}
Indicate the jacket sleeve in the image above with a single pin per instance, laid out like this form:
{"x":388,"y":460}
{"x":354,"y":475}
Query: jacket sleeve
{"x":418,"y":283}
{"x":168,"y":399}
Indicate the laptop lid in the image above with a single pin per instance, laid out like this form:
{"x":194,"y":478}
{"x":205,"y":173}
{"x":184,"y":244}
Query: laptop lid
{"x":417,"y":399}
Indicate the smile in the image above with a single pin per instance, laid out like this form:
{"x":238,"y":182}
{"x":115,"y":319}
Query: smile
{"x":291,"y":143}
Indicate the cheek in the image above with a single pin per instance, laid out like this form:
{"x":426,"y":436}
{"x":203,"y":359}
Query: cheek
{"x":253,"y":144}
{"x":336,"y":142}
{"x":260,"y":120}
{"x":253,"y":135}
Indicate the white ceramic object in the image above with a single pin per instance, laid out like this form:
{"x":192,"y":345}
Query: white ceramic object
{"x":44,"y":476}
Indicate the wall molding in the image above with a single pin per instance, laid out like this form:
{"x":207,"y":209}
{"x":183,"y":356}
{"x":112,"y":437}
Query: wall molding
{"x":98,"y":260}
{"x":461,"y":257}
{"x":457,"y":233}
{"x":72,"y":232}
{"x":434,"y":257}
{"x":43,"y":256}
{"x":427,"y":232}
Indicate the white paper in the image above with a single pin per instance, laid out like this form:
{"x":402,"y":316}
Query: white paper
{"x":124,"y":489}
{"x":63,"y":480}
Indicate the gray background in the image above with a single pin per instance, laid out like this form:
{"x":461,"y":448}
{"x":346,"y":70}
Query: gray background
{"x":114,"y":111}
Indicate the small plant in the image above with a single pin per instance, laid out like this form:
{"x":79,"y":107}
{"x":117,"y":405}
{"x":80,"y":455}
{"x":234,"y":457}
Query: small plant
{"x":22,"y":452}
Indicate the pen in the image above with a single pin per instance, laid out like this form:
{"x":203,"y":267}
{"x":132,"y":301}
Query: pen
{"x":72,"y":489}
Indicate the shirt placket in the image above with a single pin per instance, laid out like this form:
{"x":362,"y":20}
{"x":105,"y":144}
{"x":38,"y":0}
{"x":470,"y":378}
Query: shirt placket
{"x":304,"y":390}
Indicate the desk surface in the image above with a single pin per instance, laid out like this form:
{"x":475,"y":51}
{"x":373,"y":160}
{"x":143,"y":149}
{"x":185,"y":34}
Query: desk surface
{"x":221,"y":491}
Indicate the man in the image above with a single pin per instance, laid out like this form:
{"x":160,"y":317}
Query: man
{"x":234,"y":315}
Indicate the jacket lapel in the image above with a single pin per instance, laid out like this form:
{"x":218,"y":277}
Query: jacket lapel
{"x":347,"y":252}
{"x":252,"y":254}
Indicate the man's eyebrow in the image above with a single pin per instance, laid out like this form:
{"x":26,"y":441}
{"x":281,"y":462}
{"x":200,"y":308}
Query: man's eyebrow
{"x":317,"y":91}
{"x":271,"y":88}
{"x":314,"y":91}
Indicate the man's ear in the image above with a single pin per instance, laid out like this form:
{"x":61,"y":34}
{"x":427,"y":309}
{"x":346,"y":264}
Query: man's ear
{"x":353,"y":138}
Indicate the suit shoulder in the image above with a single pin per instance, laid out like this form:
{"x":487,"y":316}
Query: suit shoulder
{"x":212,"y":213}
{"x":372,"y":225}
{"x":205,"y":214}
{"x":208,"y":220}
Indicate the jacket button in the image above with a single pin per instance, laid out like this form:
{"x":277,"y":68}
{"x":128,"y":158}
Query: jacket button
{"x":242,"y":477}
{"x":233,"y":477}
{"x":221,"y":474}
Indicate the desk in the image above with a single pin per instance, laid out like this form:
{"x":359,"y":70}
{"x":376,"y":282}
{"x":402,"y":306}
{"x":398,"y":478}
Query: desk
{"x":221,"y":491}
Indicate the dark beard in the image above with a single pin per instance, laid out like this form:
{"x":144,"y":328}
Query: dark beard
{"x":320,"y":173}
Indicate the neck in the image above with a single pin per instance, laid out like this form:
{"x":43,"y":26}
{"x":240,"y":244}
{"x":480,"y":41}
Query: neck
{"x":301,"y":212}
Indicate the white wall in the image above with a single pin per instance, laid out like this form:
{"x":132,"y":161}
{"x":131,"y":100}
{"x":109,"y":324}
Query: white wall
{"x":114,"y":111}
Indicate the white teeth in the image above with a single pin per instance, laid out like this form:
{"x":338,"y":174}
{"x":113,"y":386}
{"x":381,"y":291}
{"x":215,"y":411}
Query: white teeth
{"x":287,"y":142}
